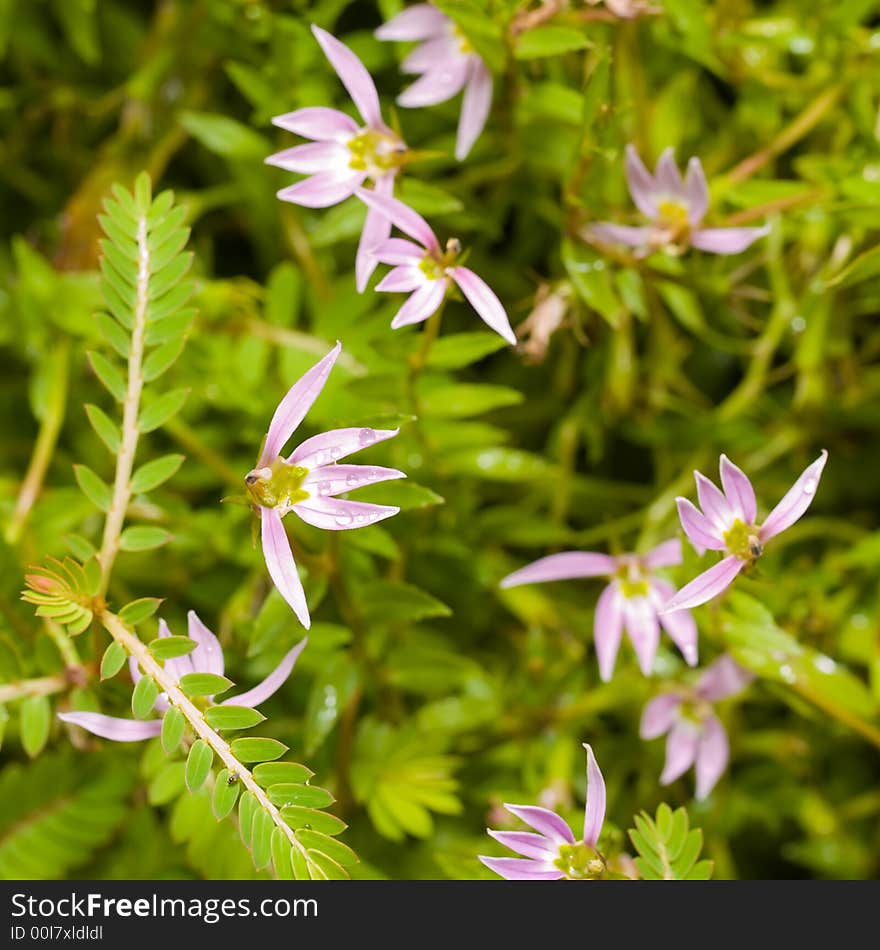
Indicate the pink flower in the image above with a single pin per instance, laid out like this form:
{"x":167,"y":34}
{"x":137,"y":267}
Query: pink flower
{"x":553,"y":853}
{"x":727,"y":523}
{"x":633,"y":600}
{"x":447,"y":63}
{"x":694,"y":734}
{"x":342,"y":155}
{"x":426,"y":271}
{"x":206,"y":657}
{"x":675,"y":208}
{"x":309,"y":481}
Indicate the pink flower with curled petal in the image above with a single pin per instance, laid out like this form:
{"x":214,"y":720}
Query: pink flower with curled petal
{"x":447,"y":63}
{"x":550,"y":852}
{"x":427,"y":272}
{"x":675,"y":208}
{"x":309,"y":481}
{"x":206,"y":657}
{"x":727,"y":523}
{"x":632,"y":601}
{"x":694,"y":734}
{"x":343,"y":155}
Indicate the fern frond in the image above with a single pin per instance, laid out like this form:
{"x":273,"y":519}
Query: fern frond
{"x":668,"y":848}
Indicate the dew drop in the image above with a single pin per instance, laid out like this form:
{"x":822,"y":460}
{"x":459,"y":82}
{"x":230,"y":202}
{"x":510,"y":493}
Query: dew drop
{"x":366,"y":436}
{"x":325,"y":488}
{"x":343,"y":520}
{"x":352,"y":480}
{"x":787,"y":673}
{"x":810,"y":486}
{"x":335,"y":452}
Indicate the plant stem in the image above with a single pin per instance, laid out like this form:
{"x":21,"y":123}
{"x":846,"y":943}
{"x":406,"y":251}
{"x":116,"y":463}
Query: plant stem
{"x":44,"y":447}
{"x":194,"y":716}
{"x":42,"y":686}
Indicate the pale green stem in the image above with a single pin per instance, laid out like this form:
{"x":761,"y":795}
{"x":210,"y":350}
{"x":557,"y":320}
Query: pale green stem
{"x":42,"y":686}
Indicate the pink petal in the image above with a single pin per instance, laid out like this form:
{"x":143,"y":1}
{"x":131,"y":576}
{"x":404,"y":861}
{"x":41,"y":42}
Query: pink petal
{"x":594,"y":813}
{"x":608,"y":629}
{"x":561,"y":567}
{"x":318,"y":122}
{"x":521,"y":869}
{"x":111,"y":727}
{"x":643,"y":627}
{"x":715,"y":506}
{"x":667,"y":554}
{"x":421,"y":304}
{"x":609,"y":233}
{"x":293,"y":407}
{"x":402,"y":217}
{"x":376,"y":230}
{"x":544,"y":821}
{"x":272,"y":683}
{"x":681,"y":750}
{"x":437,"y":85}
{"x":726,"y":240}
{"x":339,"y":514}
{"x":323,"y":189}
{"x":403,"y":279}
{"x":739,"y":491}
{"x":482,"y":298}
{"x":697,"y":527}
{"x":336,"y":444}
{"x":428,"y":55}
{"x":713,"y":753}
{"x":475,"y":108}
{"x":527,"y":843}
{"x":723,"y":678}
{"x":398,"y":251}
{"x":354,"y":77}
{"x":207,"y":657}
{"x":417,"y":22}
{"x":697,"y":191}
{"x":281,"y":566}
{"x":680,"y":624}
{"x":334,"y":479}
{"x":642,"y":187}
{"x":667,"y":176}
{"x":659,"y":715}
{"x":706,"y":586}
{"x":314,"y":157}
{"x":796,"y":500}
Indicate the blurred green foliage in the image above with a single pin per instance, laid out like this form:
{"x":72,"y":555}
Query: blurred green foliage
{"x":426,"y":696}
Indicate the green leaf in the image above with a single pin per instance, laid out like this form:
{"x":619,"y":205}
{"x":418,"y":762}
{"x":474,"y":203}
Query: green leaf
{"x":325,"y":868}
{"x":224,"y":795}
{"x":173,"y":726}
{"x":549,"y":40}
{"x":275,"y":773}
{"x":330,"y":693}
{"x":106,"y":428}
{"x":204,"y":684}
{"x":261,"y":838}
{"x":143,"y":538}
{"x":144,"y":697}
{"x":460,"y":400}
{"x":143,"y":192}
{"x":172,"y":274}
{"x":462,"y":349}
{"x":109,"y":375}
{"x":154,"y":473}
{"x":254,"y":749}
{"x":232,"y":717}
{"x":170,"y":328}
{"x":198,"y":764}
{"x":93,"y":486}
{"x":591,"y":278}
{"x":113,"y":660}
{"x":309,"y":796}
{"x":247,"y":806}
{"x":316,"y":841}
{"x":667,"y":849}
{"x":864,"y":267}
{"x":225,"y":136}
{"x":167,"y":648}
{"x":281,"y":855}
{"x":167,"y":785}
{"x":170,"y":304}
{"x":138,"y":610}
{"x":35,"y":718}
{"x":300,"y":865}
{"x":156,"y":413}
{"x":113,"y":334}
{"x":385,"y":602}
{"x":299,"y":817}
{"x":161,"y":359}
{"x":429,"y":200}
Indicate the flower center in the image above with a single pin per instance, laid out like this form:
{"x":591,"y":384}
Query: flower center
{"x":672,"y":219}
{"x":464,"y":44}
{"x":694,"y":710}
{"x":375,"y":152}
{"x":580,"y":862}
{"x":743,"y":541}
{"x":631,"y":580}
{"x":434,"y":267}
{"x":278,"y":485}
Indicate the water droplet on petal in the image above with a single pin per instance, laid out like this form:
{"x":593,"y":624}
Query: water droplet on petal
{"x":366,"y":436}
{"x":325,"y":488}
{"x":343,"y":520}
{"x":352,"y":480}
{"x":810,"y":486}
{"x":335,"y":452}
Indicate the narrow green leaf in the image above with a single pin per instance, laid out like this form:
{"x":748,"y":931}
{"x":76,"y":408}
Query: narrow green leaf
{"x":93,"y":486}
{"x":261,"y":839}
{"x":152,"y":474}
{"x":144,"y":697}
{"x":123,"y":240}
{"x":232,"y":717}
{"x":256,"y":749}
{"x":158,"y":412}
{"x":300,"y":864}
{"x":35,"y":718}
{"x":161,"y":359}
{"x":138,"y":610}
{"x":160,"y":229}
{"x":281,"y":855}
{"x":93,"y":574}
{"x":329,"y":869}
{"x":225,"y":794}
{"x":701,"y":871}
{"x":143,"y":538}
{"x":143,"y":192}
{"x":167,"y":648}
{"x":170,"y":328}
{"x":113,"y":660}
{"x":173,"y":725}
{"x":339,"y":852}
{"x":165,"y":246}
{"x":161,"y":209}
{"x":171,"y":302}
{"x":172,"y":274}
{"x":276,"y":773}
{"x":462,"y":349}
{"x":106,"y":428}
{"x":204,"y":684}
{"x":549,"y":40}
{"x":113,"y":334}
{"x":309,"y":796}
{"x":167,"y":785}
{"x":109,"y":375}
{"x":247,"y":806}
{"x":198,"y":764}
{"x":299,"y":817}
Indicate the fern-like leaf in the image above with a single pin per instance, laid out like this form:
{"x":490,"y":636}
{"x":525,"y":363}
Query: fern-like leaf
{"x":668,"y":848}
